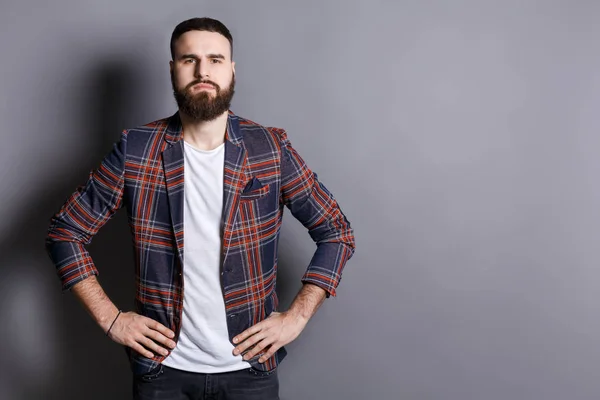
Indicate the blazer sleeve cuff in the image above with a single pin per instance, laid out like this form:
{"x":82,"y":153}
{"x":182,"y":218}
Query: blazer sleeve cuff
{"x":326,"y":266}
{"x":74,"y":263}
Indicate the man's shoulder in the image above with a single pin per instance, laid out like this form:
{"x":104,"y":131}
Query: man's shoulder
{"x":148,"y":135}
{"x":256,"y":132}
{"x":149,"y":128}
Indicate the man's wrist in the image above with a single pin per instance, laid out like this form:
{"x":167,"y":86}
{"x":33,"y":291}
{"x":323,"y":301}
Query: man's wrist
{"x":113,"y":323}
{"x":307,"y":302}
{"x":297,"y":316}
{"x":108,"y":319}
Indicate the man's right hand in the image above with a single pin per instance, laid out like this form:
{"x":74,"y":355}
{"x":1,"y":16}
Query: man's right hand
{"x":142,"y":334}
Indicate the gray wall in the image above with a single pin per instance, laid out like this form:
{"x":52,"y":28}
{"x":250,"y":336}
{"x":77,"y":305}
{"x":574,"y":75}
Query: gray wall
{"x":460,"y":138}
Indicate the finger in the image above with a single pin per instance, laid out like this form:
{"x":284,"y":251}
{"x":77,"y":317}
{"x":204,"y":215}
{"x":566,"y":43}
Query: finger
{"x":258,"y":348}
{"x":252,"y":350}
{"x":248,"y":343}
{"x":151,"y":345}
{"x":157,"y":326}
{"x":160,"y":338}
{"x":140,"y":349}
{"x":268,"y":354}
{"x":248,"y":332}
{"x":263,"y":352}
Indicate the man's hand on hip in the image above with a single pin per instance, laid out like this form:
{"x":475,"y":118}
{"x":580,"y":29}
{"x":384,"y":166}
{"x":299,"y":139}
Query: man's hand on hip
{"x":279,"y":329}
{"x":269,"y":335}
{"x":142,"y":334}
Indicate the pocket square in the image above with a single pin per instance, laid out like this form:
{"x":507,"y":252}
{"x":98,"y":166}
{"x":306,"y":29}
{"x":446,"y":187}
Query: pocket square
{"x":252,"y":185}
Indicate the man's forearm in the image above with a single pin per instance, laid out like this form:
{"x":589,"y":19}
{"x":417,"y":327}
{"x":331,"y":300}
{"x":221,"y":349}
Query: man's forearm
{"x":96,"y":302}
{"x":307,"y":301}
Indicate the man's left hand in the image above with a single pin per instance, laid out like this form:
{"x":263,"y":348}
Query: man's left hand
{"x":271,"y":334}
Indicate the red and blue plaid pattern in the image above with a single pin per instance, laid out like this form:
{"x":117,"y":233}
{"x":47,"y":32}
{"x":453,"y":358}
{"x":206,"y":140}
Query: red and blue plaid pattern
{"x":145,"y":173}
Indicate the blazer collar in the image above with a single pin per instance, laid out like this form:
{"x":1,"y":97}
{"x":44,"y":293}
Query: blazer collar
{"x":233,"y":133}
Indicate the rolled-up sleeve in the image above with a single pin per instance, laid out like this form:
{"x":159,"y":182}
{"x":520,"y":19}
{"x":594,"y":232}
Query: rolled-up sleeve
{"x":316,"y":208}
{"x":83,"y":214}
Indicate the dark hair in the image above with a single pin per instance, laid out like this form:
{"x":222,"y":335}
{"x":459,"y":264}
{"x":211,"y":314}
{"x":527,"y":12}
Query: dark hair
{"x":200,"y":24}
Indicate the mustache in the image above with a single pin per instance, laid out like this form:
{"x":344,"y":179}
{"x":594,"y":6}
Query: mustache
{"x":204,"y":82}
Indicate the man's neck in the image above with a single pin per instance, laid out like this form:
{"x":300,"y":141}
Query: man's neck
{"x":205,"y":135}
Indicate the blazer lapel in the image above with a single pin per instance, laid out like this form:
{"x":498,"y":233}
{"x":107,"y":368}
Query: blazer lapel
{"x":233,"y":176}
{"x":173,"y":164}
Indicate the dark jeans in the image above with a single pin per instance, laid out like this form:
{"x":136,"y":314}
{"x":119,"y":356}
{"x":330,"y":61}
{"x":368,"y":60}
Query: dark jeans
{"x":167,"y":383}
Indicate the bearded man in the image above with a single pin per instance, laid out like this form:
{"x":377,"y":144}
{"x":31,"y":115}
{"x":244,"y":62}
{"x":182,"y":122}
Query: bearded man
{"x":206,"y":322}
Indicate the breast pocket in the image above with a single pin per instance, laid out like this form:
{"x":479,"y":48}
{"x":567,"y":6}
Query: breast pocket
{"x":258,"y":214}
{"x":255,"y":194}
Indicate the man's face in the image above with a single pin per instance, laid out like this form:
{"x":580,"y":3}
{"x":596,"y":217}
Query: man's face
{"x":202,"y":75}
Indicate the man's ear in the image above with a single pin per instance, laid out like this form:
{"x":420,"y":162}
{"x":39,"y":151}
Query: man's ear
{"x":233,"y":67}
{"x":171,"y":66}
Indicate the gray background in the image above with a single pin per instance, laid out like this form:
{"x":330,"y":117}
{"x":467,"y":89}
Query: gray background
{"x":460,"y":138}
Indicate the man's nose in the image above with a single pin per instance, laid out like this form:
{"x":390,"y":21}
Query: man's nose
{"x":202,"y":69}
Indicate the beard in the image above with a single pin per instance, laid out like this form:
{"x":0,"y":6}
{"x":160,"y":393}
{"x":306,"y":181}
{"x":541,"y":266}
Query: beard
{"x":202,"y":106}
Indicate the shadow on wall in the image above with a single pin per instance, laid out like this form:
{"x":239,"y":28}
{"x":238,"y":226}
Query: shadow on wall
{"x":54,"y":350}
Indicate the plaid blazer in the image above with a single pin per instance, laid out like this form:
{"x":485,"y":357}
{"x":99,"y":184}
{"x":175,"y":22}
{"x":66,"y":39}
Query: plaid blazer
{"x":145,"y":173}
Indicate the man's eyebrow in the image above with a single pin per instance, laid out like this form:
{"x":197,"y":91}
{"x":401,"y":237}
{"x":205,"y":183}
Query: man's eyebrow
{"x":188,"y":56}
{"x":219,"y":56}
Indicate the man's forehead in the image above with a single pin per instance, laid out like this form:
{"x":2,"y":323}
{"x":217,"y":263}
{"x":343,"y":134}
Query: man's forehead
{"x":202,"y":42}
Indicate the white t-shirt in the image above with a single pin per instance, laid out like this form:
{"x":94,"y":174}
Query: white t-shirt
{"x":203,"y":344}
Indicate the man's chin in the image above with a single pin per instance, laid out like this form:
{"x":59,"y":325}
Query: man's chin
{"x":200,"y":91}
{"x":203,"y":105}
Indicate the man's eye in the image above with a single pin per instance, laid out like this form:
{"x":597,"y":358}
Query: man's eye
{"x":216,"y":61}
{"x":189,"y":61}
